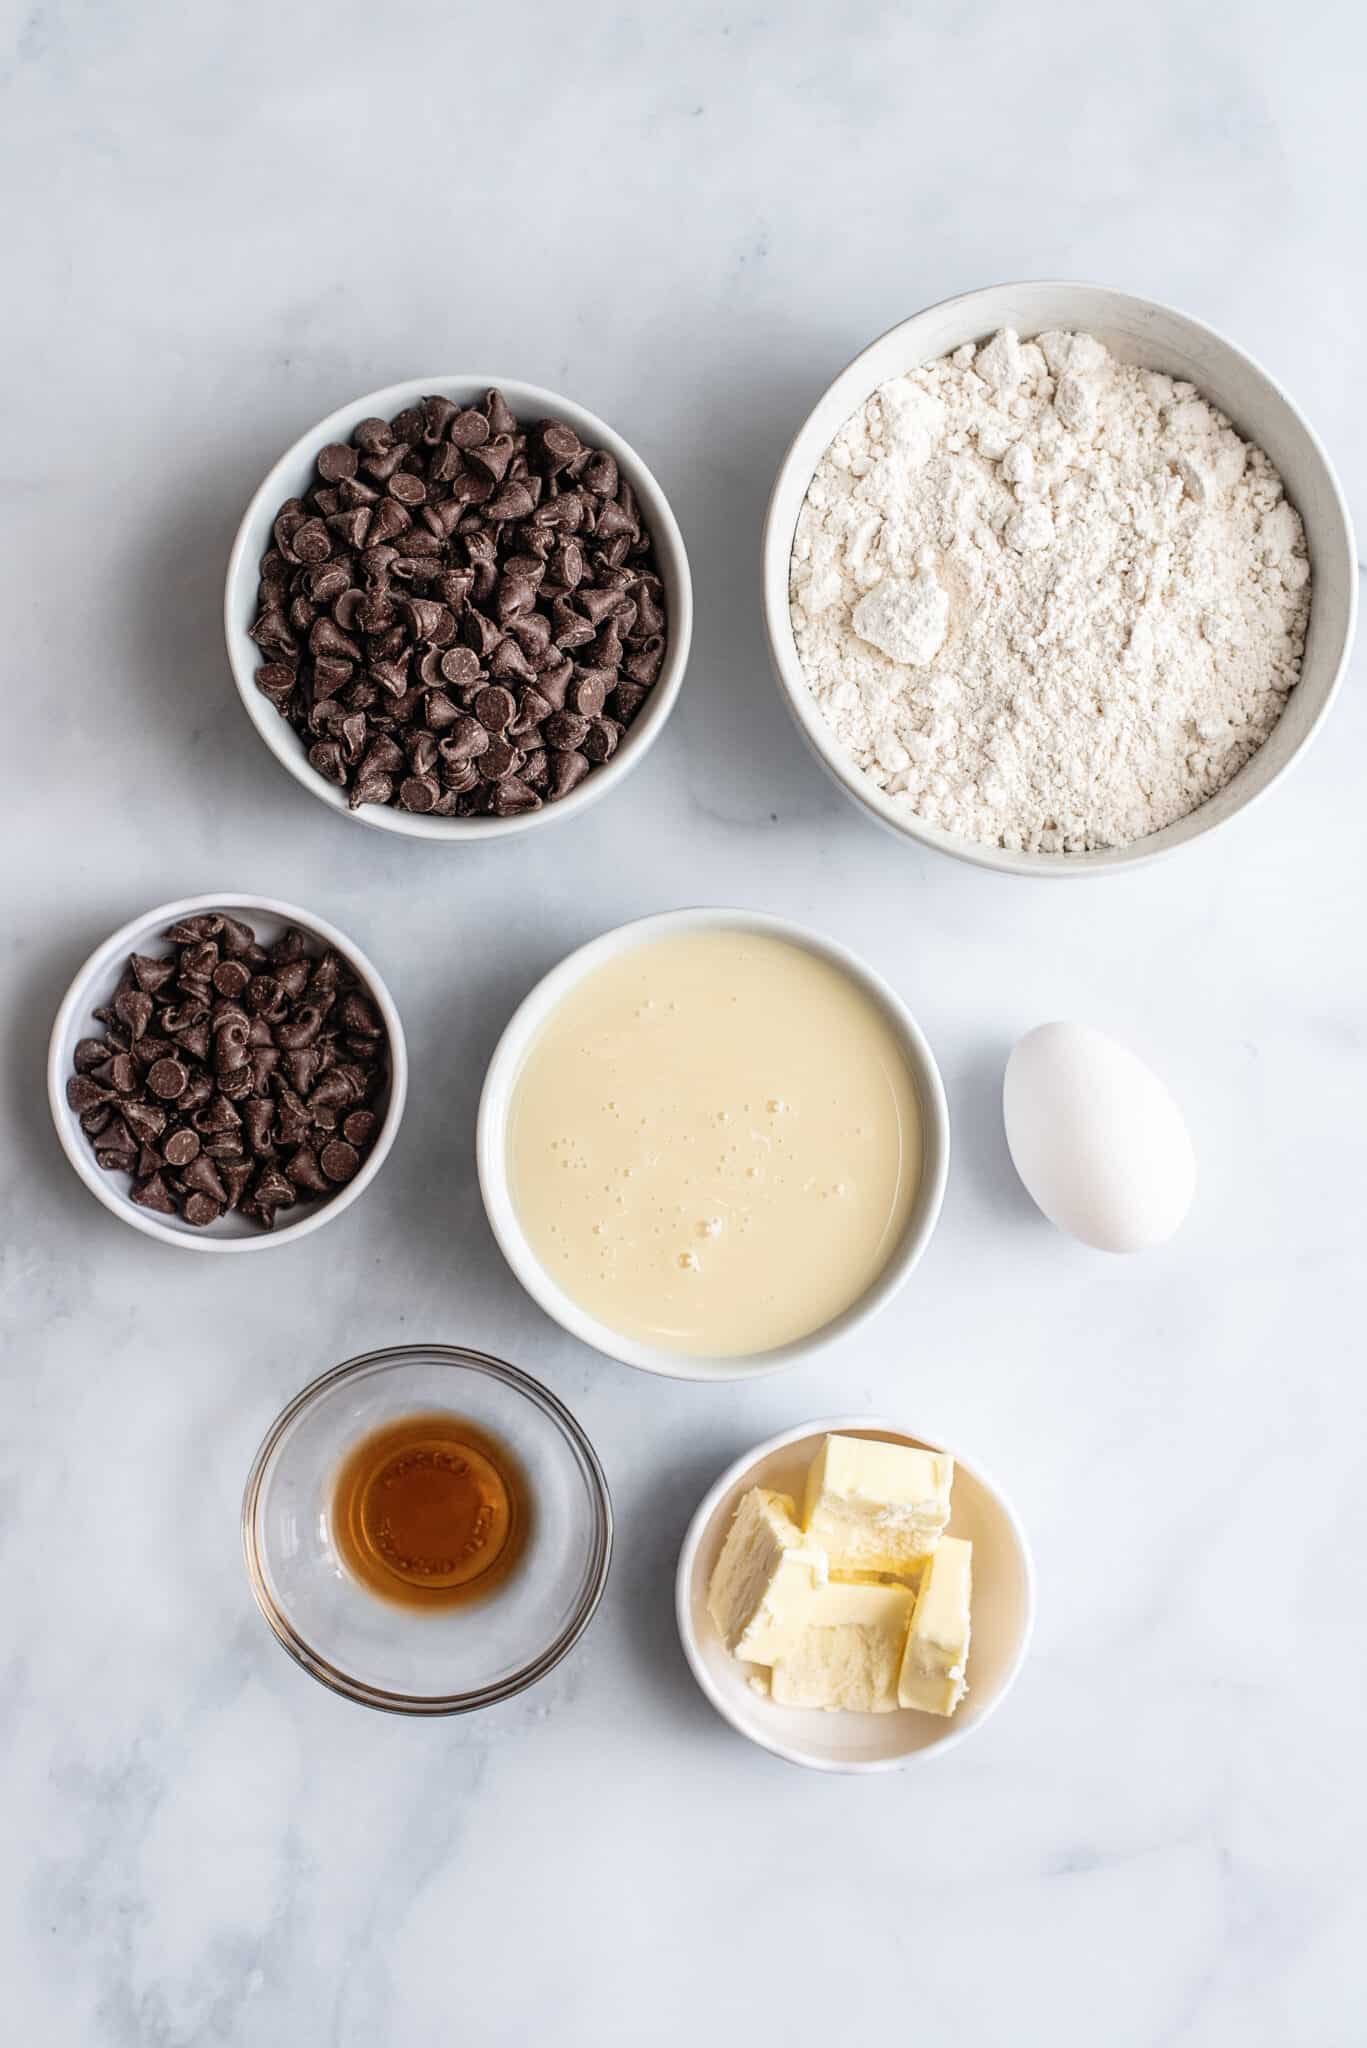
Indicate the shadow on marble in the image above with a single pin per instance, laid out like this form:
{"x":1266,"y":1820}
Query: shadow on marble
{"x":192,"y":727}
{"x":643,"y":1572}
{"x":753,"y":761}
{"x":48,"y":969}
{"x":979,"y":1153}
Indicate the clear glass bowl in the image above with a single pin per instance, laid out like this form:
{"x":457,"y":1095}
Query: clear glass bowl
{"x":404,"y":1660}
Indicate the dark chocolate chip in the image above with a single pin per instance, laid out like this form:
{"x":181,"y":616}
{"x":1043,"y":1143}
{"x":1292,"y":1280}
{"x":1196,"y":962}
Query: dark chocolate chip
{"x":567,"y":772}
{"x":336,"y":461}
{"x":339,"y":1160}
{"x":494,"y":707}
{"x":600,"y":741}
{"x":498,"y":760}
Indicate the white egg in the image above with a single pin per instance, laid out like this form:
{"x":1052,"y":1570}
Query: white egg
{"x":1097,"y":1139}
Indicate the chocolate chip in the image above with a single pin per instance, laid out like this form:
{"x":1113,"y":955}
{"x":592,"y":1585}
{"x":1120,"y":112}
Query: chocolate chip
{"x":336,"y":461}
{"x":600,"y":741}
{"x":512,"y":796}
{"x":468,"y":429}
{"x":588,"y":693}
{"x":565,"y":730}
{"x":494,"y":707}
{"x":448,"y":552}
{"x":151,"y":974}
{"x":567,"y":772}
{"x":167,"y":1079}
{"x":339,"y":1160}
{"x":181,"y":1147}
{"x":498,"y":760}
{"x":185,"y":1092}
{"x":153,"y":1193}
{"x":419,"y":792}
{"x":467,"y":740}
{"x":202,"y":1175}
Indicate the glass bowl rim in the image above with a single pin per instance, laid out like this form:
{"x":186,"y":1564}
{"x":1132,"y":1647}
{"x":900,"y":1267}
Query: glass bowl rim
{"x":599,"y":1556}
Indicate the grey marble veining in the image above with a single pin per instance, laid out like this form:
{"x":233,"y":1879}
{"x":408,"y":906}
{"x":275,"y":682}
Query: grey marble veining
{"x":223,"y":221}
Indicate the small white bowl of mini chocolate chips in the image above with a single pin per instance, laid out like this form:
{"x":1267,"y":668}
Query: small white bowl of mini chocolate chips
{"x":457,"y":607}
{"x":227,"y":1073}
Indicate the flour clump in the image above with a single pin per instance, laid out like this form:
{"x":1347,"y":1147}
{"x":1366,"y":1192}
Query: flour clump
{"x":1047,"y":600}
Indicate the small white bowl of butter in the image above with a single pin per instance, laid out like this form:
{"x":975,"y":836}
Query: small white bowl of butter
{"x":712,"y":1142}
{"x":942,"y":1677}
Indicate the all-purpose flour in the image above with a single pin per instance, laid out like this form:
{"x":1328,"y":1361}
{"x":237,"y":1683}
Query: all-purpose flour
{"x":1046,"y":600}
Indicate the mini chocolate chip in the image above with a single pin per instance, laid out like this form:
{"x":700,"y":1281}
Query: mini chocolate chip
{"x":202,"y":1175}
{"x":600,"y":742}
{"x":511,"y":796}
{"x":193,"y":931}
{"x":468,"y":429}
{"x":153,"y":1193}
{"x":565,"y":730}
{"x":336,"y":461}
{"x":509,"y":661}
{"x":339,"y":1160}
{"x":151,"y":974}
{"x":460,"y":666}
{"x":588,"y":693}
{"x":328,"y":759}
{"x":458,"y":775}
{"x":567,"y":772}
{"x":201,"y":1211}
{"x":359,"y":1128}
{"x":167,"y":1079}
{"x":181,"y":1147}
{"x":419,"y":792}
{"x":371,"y":789}
{"x":466,"y":740}
{"x":627,"y":700}
{"x":499,"y":760}
{"x":82,"y":1093}
{"x":513,"y":501}
{"x":494,"y":707}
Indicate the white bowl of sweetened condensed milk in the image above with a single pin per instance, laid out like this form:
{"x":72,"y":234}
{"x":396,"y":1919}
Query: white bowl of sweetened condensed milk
{"x":711,"y":1143}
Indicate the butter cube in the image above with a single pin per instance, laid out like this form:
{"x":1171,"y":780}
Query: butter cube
{"x":933,"y":1674}
{"x":764,"y":1577}
{"x":850,"y":1652}
{"x":876,"y":1507}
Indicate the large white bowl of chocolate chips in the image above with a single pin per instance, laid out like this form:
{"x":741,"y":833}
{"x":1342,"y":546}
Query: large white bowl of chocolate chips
{"x":458,"y":607}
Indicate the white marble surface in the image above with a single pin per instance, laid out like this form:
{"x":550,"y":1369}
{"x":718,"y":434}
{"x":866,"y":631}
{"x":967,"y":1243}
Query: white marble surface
{"x":221,"y":222}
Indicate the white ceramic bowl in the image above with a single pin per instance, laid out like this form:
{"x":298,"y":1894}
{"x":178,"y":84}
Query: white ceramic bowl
{"x":1003,"y":1613}
{"x":1135,"y":331}
{"x":491,"y":1145}
{"x":94,"y":985}
{"x":292,"y":476}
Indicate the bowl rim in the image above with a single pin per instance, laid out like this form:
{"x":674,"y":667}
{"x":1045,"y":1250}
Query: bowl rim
{"x":284,"y":742}
{"x":786,"y":665}
{"x":705,"y":1513}
{"x":496,"y":1094}
{"x":72,"y":1138}
{"x":460,"y":1358}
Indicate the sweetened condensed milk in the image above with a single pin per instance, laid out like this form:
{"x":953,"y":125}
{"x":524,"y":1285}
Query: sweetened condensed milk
{"x":714,"y":1142}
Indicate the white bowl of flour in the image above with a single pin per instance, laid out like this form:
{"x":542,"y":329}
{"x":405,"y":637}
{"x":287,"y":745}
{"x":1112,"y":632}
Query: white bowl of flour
{"x":1057,"y":579}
